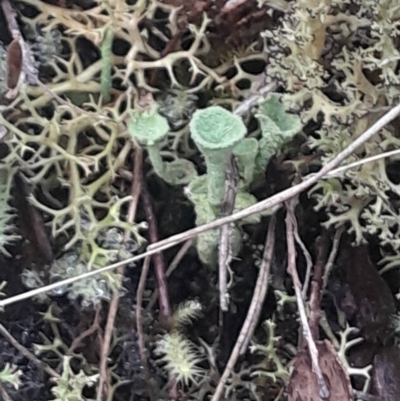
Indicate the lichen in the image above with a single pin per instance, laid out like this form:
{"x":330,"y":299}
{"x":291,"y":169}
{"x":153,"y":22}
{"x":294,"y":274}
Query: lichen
{"x":216,"y":132}
{"x":337,"y":65}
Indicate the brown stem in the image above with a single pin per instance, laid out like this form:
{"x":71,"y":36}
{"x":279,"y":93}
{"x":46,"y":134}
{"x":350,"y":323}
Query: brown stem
{"x":139,"y":323}
{"x":27,"y":354}
{"x":316,"y":286}
{"x":158,"y":258}
{"x":112,"y":311}
{"x":92,"y":329}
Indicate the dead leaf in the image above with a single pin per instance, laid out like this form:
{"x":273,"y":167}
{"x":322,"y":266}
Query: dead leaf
{"x":14,"y":63}
{"x":385,"y":374}
{"x":303,"y":385}
{"x":31,"y":223}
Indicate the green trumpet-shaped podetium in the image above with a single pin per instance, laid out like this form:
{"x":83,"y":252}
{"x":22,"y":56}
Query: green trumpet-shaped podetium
{"x":216,"y":132}
{"x":207,"y":243}
{"x":180,"y":172}
{"x":150,"y":129}
{"x":278,"y":127}
{"x":245,"y":153}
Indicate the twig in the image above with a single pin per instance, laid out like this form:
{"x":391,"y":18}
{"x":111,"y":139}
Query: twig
{"x":308,"y":258}
{"x":230,"y":5}
{"x":27,"y":71}
{"x":257,"y":208}
{"x":253,"y":99}
{"x":93,"y":327}
{"x":27,"y":354}
{"x":337,"y":172}
{"x":224,"y":248}
{"x":171,"y":268}
{"x":158,"y":258}
{"x":178,"y":257}
{"x":254,"y":309}
{"x":139,"y":322}
{"x":292,"y":270}
{"x":102,"y":389}
{"x":112,"y":310}
{"x":366,"y":397}
{"x":3,"y":394}
{"x":10,"y":17}
{"x":159,"y":267}
{"x":332,"y":256}
{"x":261,"y":288}
{"x":316,"y":286}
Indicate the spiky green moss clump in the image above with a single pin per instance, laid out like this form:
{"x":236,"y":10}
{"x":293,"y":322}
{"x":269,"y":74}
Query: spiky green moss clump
{"x":180,"y":356}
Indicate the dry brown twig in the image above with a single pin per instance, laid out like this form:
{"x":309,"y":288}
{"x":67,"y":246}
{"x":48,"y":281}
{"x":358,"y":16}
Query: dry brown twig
{"x":323,"y":323}
{"x":3,"y":394}
{"x":158,"y":258}
{"x":92,"y":329}
{"x":161,"y":278}
{"x":307,"y":257}
{"x":224,"y":246}
{"x":139,"y":322}
{"x":258,"y":91}
{"x":332,"y":256}
{"x":112,"y":311}
{"x":268,"y":203}
{"x":171,"y":268}
{"x":292,"y":270}
{"x":316,"y":286}
{"x":230,"y":5}
{"x":27,"y":354}
{"x":253,"y":313}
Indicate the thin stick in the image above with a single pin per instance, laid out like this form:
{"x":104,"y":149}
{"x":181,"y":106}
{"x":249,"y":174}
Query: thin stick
{"x":292,"y":270}
{"x":332,"y":256}
{"x":257,"y":208}
{"x":253,"y":99}
{"x":261,"y":288}
{"x":253,"y":310}
{"x":158,"y":258}
{"x":159,"y":268}
{"x":139,"y":322}
{"x":3,"y":394}
{"x":366,"y":397}
{"x":112,"y":310}
{"x":316,"y":286}
{"x":27,"y":354}
{"x":225,"y":242}
{"x":10,"y":17}
{"x":358,"y":163}
{"x":171,"y":268}
{"x":308,"y":259}
{"x":93,"y":327}
{"x":179,"y":256}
